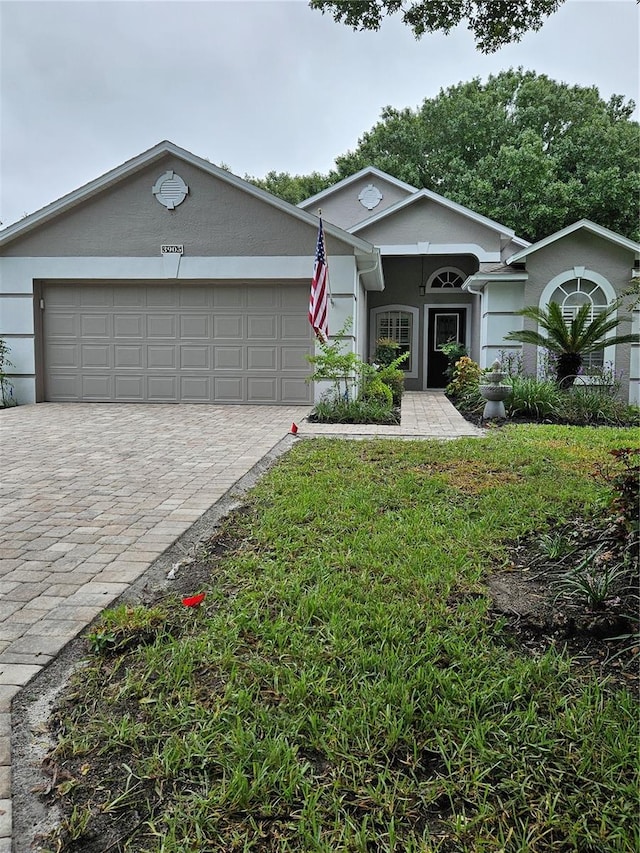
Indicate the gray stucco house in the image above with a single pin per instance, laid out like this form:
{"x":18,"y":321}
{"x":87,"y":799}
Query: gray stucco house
{"x":169,"y":279}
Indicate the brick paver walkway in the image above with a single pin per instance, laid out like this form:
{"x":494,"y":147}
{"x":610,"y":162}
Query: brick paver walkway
{"x":92,"y":494}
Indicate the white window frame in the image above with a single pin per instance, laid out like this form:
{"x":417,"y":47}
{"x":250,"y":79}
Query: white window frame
{"x":415,"y":317}
{"x":463,"y":277}
{"x":593,"y":277}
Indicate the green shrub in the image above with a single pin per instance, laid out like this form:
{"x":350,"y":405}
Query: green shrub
{"x":345,"y":370}
{"x":466,"y":378}
{"x":590,"y":404}
{"x":376,"y":391}
{"x":336,"y":411}
{"x":386,"y":351}
{"x":393,"y":377}
{"x":6,"y":387}
{"x":454,"y":351}
{"x":472,"y":402}
{"x":533,"y":398}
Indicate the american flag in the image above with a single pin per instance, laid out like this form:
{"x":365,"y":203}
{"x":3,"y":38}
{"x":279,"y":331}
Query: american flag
{"x":319,"y":304}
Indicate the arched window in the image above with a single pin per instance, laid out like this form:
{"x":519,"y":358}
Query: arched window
{"x":571,"y":295}
{"x":447,"y":277}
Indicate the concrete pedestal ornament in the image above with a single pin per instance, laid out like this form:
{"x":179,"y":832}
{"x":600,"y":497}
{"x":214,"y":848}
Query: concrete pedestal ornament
{"x":494,"y":392}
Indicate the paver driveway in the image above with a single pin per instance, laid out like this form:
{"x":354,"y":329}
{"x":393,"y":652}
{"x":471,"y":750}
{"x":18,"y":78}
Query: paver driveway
{"x":91,"y":495}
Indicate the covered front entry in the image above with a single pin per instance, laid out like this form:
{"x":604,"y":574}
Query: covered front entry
{"x":444,"y":324}
{"x":180,"y":342}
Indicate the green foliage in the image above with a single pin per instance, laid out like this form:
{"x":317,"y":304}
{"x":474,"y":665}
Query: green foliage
{"x":293,"y":188}
{"x":492,"y":24}
{"x":554,"y":545}
{"x":6,"y":387}
{"x":511,"y":362}
{"x":624,"y":480}
{"x":454,"y":351}
{"x":520,"y":148}
{"x":361,"y":411}
{"x":393,"y":377}
{"x":466,"y":377}
{"x":543,"y":400}
{"x":378,"y":391}
{"x":388,"y":363}
{"x":590,"y":404}
{"x":538,"y":399}
{"x":358,"y":394}
{"x":571,"y":342}
{"x":386,"y":351}
{"x":344,"y":369}
{"x":464,"y":387}
{"x":124,"y":627}
{"x":592,"y":581}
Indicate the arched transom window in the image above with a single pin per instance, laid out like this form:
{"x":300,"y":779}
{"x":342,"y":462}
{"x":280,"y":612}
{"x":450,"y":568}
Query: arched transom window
{"x":572,"y":295}
{"x":448,"y":277}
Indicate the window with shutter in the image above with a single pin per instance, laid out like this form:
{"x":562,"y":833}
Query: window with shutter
{"x":398,"y":326}
{"x":571,"y":296}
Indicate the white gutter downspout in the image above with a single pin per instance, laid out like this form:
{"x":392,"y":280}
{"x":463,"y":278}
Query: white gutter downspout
{"x":470,"y":286}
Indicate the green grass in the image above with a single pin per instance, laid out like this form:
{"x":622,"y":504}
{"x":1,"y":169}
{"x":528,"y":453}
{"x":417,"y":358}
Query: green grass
{"x":342,"y":689}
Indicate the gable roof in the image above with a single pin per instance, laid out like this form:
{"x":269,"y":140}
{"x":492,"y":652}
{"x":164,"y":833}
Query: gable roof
{"x":368,"y":171}
{"x":581,"y":225}
{"x":445,"y":202}
{"x":94,"y":188}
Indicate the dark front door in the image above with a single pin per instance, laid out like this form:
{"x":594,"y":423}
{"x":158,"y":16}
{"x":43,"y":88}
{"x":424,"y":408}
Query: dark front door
{"x":444,"y":325}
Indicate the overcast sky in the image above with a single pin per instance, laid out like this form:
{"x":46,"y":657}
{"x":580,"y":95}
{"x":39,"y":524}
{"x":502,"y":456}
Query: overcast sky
{"x":265,"y":85}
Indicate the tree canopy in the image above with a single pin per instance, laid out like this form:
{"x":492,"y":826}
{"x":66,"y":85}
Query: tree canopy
{"x":493,"y":24}
{"x":520,"y":148}
{"x":293,"y":188}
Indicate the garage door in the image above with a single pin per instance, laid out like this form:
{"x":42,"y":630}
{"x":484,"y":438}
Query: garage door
{"x":195,"y":343}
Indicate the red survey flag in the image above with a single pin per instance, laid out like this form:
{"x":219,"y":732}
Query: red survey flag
{"x":194,"y":600}
{"x":319,"y":302}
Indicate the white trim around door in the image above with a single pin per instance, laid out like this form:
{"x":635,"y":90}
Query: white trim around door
{"x":437,"y":306}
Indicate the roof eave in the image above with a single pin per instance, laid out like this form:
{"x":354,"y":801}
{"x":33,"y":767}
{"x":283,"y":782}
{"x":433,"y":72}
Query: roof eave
{"x":345,"y":182}
{"x":504,"y":232}
{"x":482,"y":279}
{"x":582,"y":224}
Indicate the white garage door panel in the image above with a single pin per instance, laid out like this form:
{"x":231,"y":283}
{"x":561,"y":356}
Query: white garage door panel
{"x":242,"y":343}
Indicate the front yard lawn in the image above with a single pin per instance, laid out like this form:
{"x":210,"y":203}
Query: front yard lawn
{"x":343,"y":687}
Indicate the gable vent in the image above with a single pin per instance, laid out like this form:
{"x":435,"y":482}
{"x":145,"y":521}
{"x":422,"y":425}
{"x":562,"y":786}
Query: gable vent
{"x":170,"y":190}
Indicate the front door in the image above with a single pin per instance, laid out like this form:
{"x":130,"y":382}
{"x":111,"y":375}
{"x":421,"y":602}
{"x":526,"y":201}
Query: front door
{"x":443,"y":326}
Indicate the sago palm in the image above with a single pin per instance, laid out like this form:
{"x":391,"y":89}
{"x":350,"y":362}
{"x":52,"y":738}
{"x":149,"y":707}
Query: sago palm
{"x":571,"y":342}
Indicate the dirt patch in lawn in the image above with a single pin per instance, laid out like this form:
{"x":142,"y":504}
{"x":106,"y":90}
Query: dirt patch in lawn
{"x":574,"y":588}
